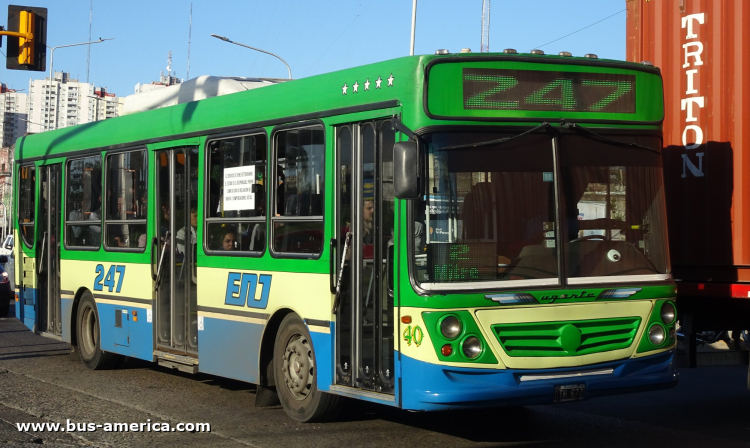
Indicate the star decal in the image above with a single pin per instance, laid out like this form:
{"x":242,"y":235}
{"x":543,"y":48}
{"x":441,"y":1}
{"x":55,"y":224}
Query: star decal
{"x":356,"y":86}
{"x":367,"y":84}
{"x":343,"y":89}
{"x":390,"y":80}
{"x":377,"y":82}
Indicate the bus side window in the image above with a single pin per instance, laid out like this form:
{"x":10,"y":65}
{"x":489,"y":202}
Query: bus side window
{"x":300,"y":170}
{"x":26,"y":208}
{"x":236,"y":197}
{"x":83,"y":198}
{"x":126,"y":183}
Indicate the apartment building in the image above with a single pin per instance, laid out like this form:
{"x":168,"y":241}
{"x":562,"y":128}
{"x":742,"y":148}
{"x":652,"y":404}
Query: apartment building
{"x":62,"y":102}
{"x":13,"y":115}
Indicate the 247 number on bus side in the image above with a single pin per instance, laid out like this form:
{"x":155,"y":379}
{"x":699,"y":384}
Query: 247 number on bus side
{"x":112,"y":280}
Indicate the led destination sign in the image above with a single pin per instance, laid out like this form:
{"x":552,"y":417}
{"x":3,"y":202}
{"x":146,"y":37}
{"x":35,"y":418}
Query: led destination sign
{"x":536,"y":90}
{"x":457,"y":262}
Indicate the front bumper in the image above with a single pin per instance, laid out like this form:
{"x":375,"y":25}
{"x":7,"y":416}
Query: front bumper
{"x":428,"y":387}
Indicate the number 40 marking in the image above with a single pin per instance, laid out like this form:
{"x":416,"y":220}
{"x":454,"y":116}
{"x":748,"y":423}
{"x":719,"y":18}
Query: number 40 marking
{"x":413,"y":334}
{"x":109,"y":280}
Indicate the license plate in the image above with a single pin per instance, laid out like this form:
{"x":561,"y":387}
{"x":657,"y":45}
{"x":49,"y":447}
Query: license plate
{"x":572,"y":392}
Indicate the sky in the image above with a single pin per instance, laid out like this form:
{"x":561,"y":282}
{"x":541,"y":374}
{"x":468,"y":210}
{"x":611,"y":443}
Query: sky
{"x":312,"y":36}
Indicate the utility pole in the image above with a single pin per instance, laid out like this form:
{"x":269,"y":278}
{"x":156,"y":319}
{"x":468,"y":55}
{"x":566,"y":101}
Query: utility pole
{"x":190,"y":33}
{"x":413,"y":26}
{"x":485,"y":48}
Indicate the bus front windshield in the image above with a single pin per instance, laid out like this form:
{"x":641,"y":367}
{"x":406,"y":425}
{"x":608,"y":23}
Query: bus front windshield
{"x":490,"y":212}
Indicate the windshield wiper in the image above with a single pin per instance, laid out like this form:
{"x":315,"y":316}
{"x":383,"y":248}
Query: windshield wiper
{"x":585,"y":132}
{"x":495,"y":142}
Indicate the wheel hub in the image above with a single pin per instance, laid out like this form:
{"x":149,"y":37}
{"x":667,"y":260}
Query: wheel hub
{"x":298,"y":367}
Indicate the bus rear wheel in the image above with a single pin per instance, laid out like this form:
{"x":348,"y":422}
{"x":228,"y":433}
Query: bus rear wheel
{"x":296,"y":375}
{"x":88,"y":335}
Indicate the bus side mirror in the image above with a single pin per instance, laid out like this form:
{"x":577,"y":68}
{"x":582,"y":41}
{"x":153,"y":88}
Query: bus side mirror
{"x":406,"y":170}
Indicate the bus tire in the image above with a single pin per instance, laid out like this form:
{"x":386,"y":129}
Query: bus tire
{"x":296,"y":375}
{"x":88,"y":335}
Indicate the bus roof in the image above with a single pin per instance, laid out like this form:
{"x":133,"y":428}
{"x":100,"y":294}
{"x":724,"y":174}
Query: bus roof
{"x":382,"y":85}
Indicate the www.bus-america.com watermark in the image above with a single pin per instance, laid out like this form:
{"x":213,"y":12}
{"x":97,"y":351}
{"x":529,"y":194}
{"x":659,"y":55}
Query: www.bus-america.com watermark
{"x":147,"y":426}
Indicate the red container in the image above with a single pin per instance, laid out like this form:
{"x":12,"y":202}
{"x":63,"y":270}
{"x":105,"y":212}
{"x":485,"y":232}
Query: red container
{"x":703,"y":50}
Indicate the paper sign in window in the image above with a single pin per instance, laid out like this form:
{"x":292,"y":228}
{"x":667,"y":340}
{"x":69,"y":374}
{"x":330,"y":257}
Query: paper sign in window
{"x":238,"y":188}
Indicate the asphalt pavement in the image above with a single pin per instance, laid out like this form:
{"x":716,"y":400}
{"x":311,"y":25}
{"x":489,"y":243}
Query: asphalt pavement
{"x":41,"y":383}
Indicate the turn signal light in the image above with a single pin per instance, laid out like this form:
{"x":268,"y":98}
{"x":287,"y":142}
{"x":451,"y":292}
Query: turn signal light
{"x":405,"y":319}
{"x":446,"y":350}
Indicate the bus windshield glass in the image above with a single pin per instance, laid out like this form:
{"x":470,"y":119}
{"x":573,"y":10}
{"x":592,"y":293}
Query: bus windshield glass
{"x":613,"y":202}
{"x":490,"y":212}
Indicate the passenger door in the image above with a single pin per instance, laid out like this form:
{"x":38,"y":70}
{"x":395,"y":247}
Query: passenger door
{"x":364,"y":242}
{"x":48,"y":250}
{"x":174,"y":250}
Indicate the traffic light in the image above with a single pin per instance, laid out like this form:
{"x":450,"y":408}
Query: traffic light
{"x":27,"y":49}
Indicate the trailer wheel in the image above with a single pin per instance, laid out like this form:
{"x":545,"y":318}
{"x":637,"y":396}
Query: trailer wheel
{"x":89,"y":335}
{"x":296,"y":375}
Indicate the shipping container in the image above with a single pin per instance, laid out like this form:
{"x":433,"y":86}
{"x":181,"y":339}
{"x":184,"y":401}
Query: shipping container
{"x":703,"y":50}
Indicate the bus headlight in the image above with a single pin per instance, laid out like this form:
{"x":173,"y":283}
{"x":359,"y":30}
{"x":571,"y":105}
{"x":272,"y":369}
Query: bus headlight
{"x":656,"y":334}
{"x":472,"y":347}
{"x":668,"y":313}
{"x":450,"y":327}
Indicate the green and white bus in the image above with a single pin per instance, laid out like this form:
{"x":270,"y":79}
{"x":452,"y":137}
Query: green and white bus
{"x":430,"y":232}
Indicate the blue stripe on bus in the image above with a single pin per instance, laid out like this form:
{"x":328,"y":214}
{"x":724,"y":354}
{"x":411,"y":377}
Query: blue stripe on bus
{"x":25,"y":312}
{"x":323,"y":346}
{"x":434,"y":387}
{"x":133,"y":338}
{"x":66,"y":309}
{"x":229,"y":348}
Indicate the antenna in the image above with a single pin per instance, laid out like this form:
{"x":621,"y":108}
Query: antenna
{"x":169,"y":64}
{"x":485,"y":48}
{"x":190,"y":32}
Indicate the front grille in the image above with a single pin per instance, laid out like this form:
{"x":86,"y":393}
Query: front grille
{"x":571,"y":338}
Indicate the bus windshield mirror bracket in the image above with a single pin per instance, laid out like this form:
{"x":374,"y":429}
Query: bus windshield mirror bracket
{"x":588,"y":133}
{"x":397,"y":125}
{"x":498,"y":141}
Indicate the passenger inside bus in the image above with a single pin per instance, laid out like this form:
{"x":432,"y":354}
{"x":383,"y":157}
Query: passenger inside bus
{"x":368,"y":214}
{"x":181,"y":236}
{"x":119,"y":234}
{"x":76,"y":214}
{"x":96,"y":215}
{"x":229,"y":240}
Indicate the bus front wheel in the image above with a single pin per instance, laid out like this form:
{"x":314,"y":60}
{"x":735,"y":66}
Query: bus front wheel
{"x":89,"y":335}
{"x":296,"y":375}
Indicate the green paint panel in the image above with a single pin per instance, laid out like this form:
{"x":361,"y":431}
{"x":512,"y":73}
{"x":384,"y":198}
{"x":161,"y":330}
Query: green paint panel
{"x":655,"y":319}
{"x":543,"y":296}
{"x":574,"y":338}
{"x":469,"y":328}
